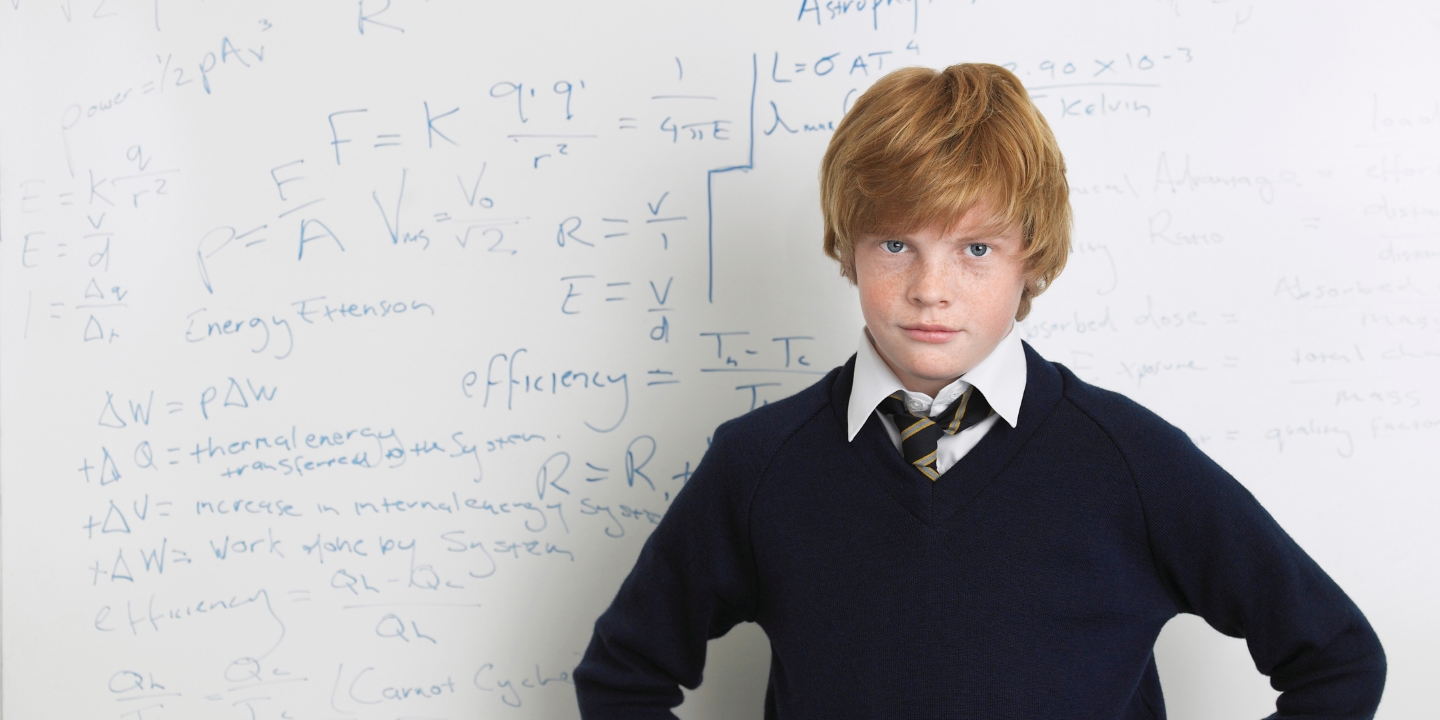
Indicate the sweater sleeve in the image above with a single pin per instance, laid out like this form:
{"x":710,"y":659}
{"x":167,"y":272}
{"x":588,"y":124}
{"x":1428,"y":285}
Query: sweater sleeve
{"x":693,"y":581}
{"x":1224,"y":558}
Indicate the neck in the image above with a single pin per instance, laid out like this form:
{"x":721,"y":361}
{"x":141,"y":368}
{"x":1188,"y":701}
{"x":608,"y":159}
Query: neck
{"x":919,"y":385}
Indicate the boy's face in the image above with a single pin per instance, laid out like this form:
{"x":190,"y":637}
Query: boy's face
{"x":936,"y":302}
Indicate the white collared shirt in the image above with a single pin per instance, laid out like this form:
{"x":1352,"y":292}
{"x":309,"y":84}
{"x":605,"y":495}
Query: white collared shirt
{"x":1000,"y":377}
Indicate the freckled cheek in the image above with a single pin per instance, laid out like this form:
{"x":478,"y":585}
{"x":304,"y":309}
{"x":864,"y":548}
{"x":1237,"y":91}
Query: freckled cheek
{"x":880,"y":286}
{"x":875,"y":299}
{"x":1001,"y":298}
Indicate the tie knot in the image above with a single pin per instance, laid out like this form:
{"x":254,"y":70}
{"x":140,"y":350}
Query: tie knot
{"x":905,"y":403}
{"x":920,"y":434}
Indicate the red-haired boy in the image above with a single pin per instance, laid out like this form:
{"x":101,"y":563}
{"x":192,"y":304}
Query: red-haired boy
{"x":949,"y":525}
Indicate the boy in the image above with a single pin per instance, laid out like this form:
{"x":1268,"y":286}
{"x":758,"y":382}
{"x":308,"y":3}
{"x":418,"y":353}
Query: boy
{"x":949,"y":525}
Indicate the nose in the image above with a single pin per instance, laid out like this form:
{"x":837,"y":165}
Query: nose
{"x":933,"y":282}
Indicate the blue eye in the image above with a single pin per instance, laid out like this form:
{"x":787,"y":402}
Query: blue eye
{"x":978,"y":249}
{"x":893,"y":246}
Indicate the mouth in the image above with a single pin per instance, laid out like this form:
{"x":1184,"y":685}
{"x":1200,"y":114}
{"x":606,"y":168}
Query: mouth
{"x":929,"y":333}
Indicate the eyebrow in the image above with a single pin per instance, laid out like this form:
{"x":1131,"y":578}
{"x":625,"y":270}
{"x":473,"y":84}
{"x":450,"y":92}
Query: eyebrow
{"x":987,"y":237}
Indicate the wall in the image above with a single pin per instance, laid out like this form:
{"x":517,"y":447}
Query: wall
{"x":352,"y":350}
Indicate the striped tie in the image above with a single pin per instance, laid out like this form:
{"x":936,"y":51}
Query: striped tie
{"x":920,"y":435}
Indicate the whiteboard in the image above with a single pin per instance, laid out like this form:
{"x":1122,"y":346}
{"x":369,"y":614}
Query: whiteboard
{"x":351,"y":350}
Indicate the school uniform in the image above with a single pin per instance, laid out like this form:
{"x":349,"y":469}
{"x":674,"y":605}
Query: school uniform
{"x":1030,"y":580}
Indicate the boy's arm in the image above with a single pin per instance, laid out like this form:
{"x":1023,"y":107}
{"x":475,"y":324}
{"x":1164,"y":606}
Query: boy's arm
{"x":1224,"y":557}
{"x":693,"y":581}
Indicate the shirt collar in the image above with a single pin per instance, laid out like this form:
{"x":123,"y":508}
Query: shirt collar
{"x":1000,"y":376}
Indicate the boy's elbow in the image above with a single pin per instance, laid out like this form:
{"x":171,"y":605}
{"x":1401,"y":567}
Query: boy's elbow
{"x":611,"y":682}
{"x":600,"y":699}
{"x":1344,"y":680}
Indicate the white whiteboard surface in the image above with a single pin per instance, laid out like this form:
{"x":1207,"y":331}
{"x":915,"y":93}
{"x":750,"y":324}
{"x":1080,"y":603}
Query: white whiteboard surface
{"x":351,"y":349}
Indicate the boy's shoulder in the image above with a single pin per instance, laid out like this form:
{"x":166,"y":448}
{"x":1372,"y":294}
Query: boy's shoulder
{"x":754,"y":438}
{"x":769,"y":425}
{"x":1132,"y":427}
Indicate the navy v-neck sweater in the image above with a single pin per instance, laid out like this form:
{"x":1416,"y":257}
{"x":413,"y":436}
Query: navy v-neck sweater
{"x":1029,"y":581}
